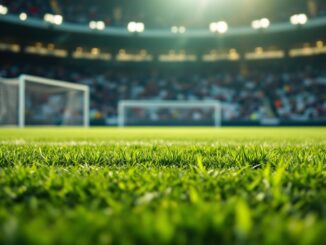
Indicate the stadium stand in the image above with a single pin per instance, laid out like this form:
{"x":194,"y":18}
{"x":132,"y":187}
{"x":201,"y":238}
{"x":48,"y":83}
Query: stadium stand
{"x":246,"y":68}
{"x":291,"y":95}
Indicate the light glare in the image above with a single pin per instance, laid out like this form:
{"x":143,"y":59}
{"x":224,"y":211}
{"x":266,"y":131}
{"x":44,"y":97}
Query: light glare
{"x":178,"y":29}
{"x":57,"y":19}
{"x":174,"y":29}
{"x":222,"y":27}
{"x":92,"y":24}
{"x":23,"y":16}
{"x":135,"y":26}
{"x":303,"y":19}
{"x":53,"y":19}
{"x":182,"y":29}
{"x":140,"y":27}
{"x":132,"y":26}
{"x":264,"y":23}
{"x":3,"y":10}
{"x":100,"y":25}
{"x":213,"y":27}
{"x":48,"y":17}
{"x":256,"y":24}
{"x":298,"y":19}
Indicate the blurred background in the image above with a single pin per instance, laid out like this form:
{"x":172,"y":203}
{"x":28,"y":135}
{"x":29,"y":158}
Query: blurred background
{"x":265,"y":61}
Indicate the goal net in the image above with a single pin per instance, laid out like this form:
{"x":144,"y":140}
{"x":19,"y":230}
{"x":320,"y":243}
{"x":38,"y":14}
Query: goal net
{"x":169,"y":113}
{"x":30,"y":100}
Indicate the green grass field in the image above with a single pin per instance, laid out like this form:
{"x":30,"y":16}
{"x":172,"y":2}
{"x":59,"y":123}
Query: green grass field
{"x":163,"y":186}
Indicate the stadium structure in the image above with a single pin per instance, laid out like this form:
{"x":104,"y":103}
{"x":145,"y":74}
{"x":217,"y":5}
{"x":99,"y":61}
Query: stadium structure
{"x":266,"y":67}
{"x":140,"y":90}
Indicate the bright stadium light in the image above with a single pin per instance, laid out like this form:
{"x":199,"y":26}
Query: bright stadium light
{"x":182,"y":29}
{"x":23,"y":16}
{"x":256,"y":24}
{"x":178,"y":29}
{"x":48,"y":17}
{"x":3,"y":10}
{"x":298,"y":19}
{"x":294,"y":20}
{"x":53,"y":19}
{"x":100,"y":25}
{"x":96,"y":25}
{"x":140,"y":27}
{"x":302,"y":19}
{"x":136,"y":26}
{"x":57,"y":19}
{"x":222,"y":27}
{"x":265,"y":23}
{"x":92,"y":25}
{"x":132,"y":26}
{"x":213,"y":27}
{"x":174,"y":29}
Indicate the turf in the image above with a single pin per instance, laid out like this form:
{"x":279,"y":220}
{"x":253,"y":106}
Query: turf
{"x":163,"y":186}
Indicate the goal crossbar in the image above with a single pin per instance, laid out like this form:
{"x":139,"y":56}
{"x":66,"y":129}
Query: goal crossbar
{"x":52,"y":82}
{"x":23,"y":79}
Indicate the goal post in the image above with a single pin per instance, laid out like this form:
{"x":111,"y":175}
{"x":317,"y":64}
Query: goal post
{"x":213,"y":110}
{"x":32,"y":100}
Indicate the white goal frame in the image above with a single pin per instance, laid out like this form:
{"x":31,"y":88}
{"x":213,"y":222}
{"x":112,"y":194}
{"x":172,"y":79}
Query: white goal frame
{"x":123,"y":104}
{"x":46,"y":81}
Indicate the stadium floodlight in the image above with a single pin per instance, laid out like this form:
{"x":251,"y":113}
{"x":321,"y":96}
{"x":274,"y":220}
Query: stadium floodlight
{"x":182,"y":29}
{"x":256,"y":24}
{"x":174,"y":29}
{"x":132,"y":26}
{"x":263,"y":23}
{"x":213,"y":27}
{"x":220,"y":27}
{"x":303,"y":19}
{"x":294,"y":20}
{"x":178,"y":29}
{"x":135,"y":26}
{"x":23,"y":16}
{"x":57,"y":19}
{"x":3,"y":10}
{"x":100,"y":25}
{"x":30,"y":100}
{"x":298,"y":19}
{"x":53,"y":19}
{"x":48,"y":18}
{"x":92,"y":24}
{"x":169,"y":112}
{"x":140,"y":27}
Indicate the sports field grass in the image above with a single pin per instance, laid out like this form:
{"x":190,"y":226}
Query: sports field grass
{"x":159,"y":186}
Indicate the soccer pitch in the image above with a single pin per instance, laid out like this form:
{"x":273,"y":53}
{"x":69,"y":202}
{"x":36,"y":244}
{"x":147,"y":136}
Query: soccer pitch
{"x":163,"y":186}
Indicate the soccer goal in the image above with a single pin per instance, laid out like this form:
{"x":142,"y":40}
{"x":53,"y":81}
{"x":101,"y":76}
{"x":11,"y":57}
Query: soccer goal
{"x":35,"y":101}
{"x":169,"y":113}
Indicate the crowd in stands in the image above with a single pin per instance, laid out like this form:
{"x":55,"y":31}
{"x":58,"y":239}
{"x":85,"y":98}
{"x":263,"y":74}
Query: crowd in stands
{"x":253,"y":95}
{"x":164,"y":14}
